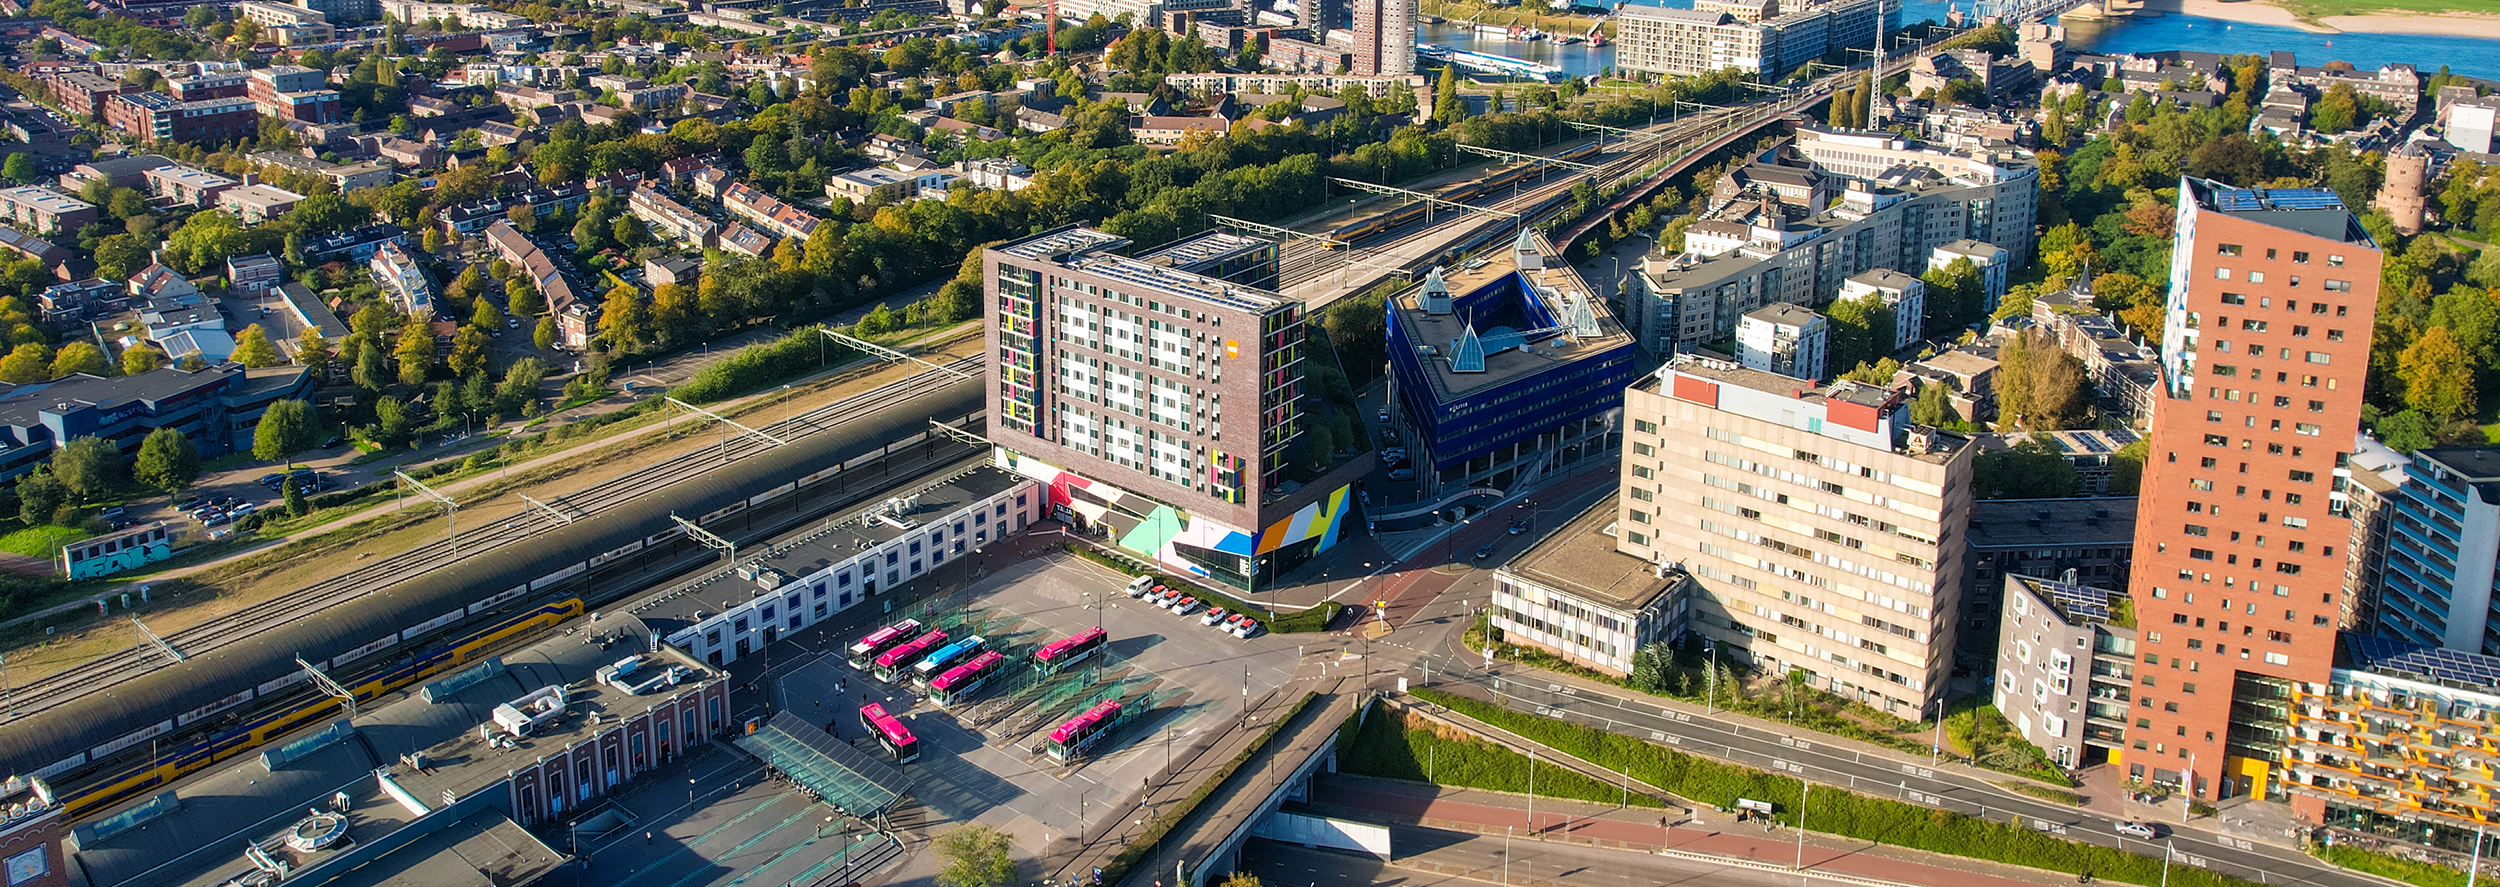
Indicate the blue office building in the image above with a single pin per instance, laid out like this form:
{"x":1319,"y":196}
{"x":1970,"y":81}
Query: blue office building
{"x":1505,"y":369}
{"x":2443,"y":536}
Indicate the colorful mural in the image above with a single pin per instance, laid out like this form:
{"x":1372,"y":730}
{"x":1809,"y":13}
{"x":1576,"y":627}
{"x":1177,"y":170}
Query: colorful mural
{"x":1171,"y":536}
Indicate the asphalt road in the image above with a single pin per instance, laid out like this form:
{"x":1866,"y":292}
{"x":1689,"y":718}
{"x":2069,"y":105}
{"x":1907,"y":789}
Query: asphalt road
{"x":1806,"y":754}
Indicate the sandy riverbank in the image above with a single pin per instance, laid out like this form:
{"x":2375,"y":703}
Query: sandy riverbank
{"x":2454,"y":24}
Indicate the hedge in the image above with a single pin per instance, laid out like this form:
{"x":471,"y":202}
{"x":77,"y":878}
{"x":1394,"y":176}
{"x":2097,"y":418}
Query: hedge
{"x":1835,"y":811}
{"x":1396,"y":745}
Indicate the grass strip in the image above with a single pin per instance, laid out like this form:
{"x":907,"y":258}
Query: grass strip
{"x":1407,"y":746}
{"x":1835,"y":811}
{"x":1151,"y":839}
{"x":2414,"y":872}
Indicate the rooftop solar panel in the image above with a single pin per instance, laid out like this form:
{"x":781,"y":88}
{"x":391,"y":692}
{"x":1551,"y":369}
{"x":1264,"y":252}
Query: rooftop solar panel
{"x":2077,"y":602}
{"x":2384,"y":654}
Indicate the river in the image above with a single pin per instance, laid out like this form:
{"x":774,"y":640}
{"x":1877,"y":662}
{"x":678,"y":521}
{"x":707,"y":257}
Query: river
{"x":2464,"y":55}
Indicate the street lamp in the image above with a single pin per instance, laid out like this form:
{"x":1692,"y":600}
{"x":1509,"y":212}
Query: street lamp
{"x":2187,"y":785}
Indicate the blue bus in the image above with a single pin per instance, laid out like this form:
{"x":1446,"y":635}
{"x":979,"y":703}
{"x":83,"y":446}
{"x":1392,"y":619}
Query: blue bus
{"x":947,"y":657}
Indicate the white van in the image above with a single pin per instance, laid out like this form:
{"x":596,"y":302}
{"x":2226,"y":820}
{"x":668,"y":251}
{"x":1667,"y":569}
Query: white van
{"x":1140,"y":585}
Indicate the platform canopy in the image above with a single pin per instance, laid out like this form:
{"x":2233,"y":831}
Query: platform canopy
{"x":845,"y":777}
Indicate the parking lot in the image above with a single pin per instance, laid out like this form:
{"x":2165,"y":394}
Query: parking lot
{"x":979,"y":762}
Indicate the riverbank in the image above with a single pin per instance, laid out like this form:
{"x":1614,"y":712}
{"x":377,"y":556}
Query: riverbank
{"x":2447,"y":23}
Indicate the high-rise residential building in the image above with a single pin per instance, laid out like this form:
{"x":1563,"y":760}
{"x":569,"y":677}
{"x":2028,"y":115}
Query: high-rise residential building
{"x":2065,"y":660}
{"x":2240,"y":529}
{"x":1786,"y":339}
{"x":2399,"y":741}
{"x":1823,"y":531}
{"x":1755,"y":38}
{"x":2443,"y":535}
{"x":1161,"y":403}
{"x":1384,"y":37}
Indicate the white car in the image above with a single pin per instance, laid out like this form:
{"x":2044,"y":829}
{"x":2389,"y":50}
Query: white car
{"x":1139,"y":586}
{"x":2142,"y":830}
{"x":1213,"y":616}
{"x":1187,"y":606}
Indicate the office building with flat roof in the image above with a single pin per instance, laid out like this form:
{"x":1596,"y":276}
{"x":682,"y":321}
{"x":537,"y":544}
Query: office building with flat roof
{"x":1576,"y":595}
{"x":1505,"y":370}
{"x":1824,"y":532}
{"x":2241,"y":533}
{"x":1162,"y":407}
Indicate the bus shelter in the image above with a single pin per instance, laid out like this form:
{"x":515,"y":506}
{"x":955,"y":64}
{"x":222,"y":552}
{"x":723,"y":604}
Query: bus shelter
{"x":844,"y":777}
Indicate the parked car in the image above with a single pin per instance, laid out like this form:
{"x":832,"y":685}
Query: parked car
{"x":1214,"y":616}
{"x":1244,"y":627}
{"x":334,"y":441}
{"x":1397,"y":453}
{"x":1168,"y":598}
{"x":272,"y":480}
{"x":1139,"y":586}
{"x":1187,"y":606}
{"x":2143,"y":830}
{"x":1384,"y":415}
{"x":192,"y":504}
{"x":1401,"y":474}
{"x":1518,"y":526}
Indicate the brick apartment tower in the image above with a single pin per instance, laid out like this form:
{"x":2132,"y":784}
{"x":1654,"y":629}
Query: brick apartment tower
{"x":2240,"y":525}
{"x":1384,"y":37}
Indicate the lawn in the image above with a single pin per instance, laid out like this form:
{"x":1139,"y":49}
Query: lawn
{"x":1398,"y":745}
{"x":43,"y":542}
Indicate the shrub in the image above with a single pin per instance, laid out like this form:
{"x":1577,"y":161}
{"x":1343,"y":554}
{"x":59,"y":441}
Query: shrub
{"x":1398,"y":745}
{"x":2419,"y":874}
{"x":762,"y":364}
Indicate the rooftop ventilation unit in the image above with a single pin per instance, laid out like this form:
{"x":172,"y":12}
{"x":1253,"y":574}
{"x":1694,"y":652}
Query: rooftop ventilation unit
{"x":1580,"y":315}
{"x":1525,"y":251}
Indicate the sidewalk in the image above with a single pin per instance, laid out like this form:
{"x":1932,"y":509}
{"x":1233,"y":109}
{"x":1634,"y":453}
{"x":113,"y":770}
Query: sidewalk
{"x":1481,"y":812}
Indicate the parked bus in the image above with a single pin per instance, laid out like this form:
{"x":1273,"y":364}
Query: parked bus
{"x":895,"y":663}
{"x":1080,"y":732}
{"x":947,"y":657}
{"x":960,"y":682}
{"x":1065,"y":652}
{"x":890,"y":733}
{"x":864,"y":653}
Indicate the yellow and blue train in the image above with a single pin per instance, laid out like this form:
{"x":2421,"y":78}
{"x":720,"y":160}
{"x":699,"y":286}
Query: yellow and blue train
{"x":103,"y":788}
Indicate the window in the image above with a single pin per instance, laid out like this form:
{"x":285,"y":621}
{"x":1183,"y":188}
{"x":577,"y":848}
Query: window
{"x":2304,"y":477}
{"x":2300,"y":258}
{"x":2334,"y":261}
{"x":2306,"y":428}
{"x":2338,"y":286}
{"x":2298,"y":332}
{"x":2213,"y":415}
{"x":2278,"y":659}
{"x":2200,"y":554}
{"x":2189,"y":689}
{"x":2234,"y":299}
{"x":1643,"y":449}
{"x":1644,"y":426}
{"x":2334,"y":335}
{"x":2197,"y":530}
{"x":2226,"y":249}
{"x":2222,"y":274}
{"x":2217,"y":440}
{"x":2318,"y":357}
{"x":2256,"y":277}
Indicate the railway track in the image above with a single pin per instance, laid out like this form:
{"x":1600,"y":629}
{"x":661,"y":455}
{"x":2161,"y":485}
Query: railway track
{"x":97,"y":674}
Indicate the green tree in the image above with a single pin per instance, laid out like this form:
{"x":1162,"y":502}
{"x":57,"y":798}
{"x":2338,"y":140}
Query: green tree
{"x":976,"y":856}
{"x":1861,"y":331}
{"x":28,"y":362}
{"x":80,"y":357}
{"x":415,"y":352}
{"x":167,"y":460}
{"x":521,"y":299}
{"x":468,"y":351}
{"x":313,"y":350}
{"x":877,"y":322}
{"x":487,"y":316}
{"x":1933,"y":406}
{"x":2438,"y":376}
{"x":89,"y":466}
{"x":1447,"y":110}
{"x":1956,"y":297}
{"x":2126,"y":467}
{"x":2030,"y":469}
{"x":372,"y":371}
{"x":547,"y":332}
{"x":286,"y":428}
{"x":40,"y":497}
{"x":2337,"y":111}
{"x":252,"y":348}
{"x":2406,"y":431}
{"x":296,"y":504}
{"x":20,"y":168}
{"x":138,"y":359}
{"x":518,"y":393}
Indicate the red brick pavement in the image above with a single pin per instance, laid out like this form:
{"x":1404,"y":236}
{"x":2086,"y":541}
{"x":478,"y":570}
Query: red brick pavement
{"x":1637,"y":829}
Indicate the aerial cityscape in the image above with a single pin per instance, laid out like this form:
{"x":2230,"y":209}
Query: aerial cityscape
{"x":1249,"y":443}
